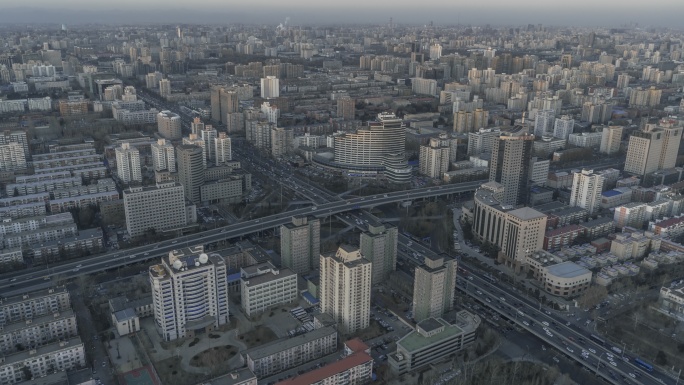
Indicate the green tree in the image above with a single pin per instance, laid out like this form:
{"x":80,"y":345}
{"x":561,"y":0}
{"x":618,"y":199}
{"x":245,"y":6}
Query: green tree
{"x":661,"y":358}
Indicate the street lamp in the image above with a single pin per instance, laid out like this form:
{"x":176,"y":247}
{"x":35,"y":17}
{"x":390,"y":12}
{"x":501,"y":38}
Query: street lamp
{"x":599,"y":363}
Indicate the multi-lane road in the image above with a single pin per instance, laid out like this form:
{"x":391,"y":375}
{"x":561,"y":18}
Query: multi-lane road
{"x":19,"y":282}
{"x":556,"y":332}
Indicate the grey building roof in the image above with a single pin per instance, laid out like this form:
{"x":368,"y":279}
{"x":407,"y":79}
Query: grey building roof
{"x":286,"y":343}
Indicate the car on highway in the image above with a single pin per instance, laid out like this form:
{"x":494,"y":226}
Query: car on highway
{"x":613,"y":363}
{"x":592,"y":350}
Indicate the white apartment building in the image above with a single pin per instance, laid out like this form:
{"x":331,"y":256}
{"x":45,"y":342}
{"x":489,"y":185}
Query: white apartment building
{"x":289,"y":352}
{"x":223,"y":149}
{"x":263,"y":286}
{"x":481,"y":141}
{"x":39,"y":331}
{"x":195,"y":140}
{"x":586,"y":190}
{"x":563,"y":127}
{"x":12,"y":157}
{"x":655,"y":148}
{"x":272,"y":113}
{"x":434,"y":157}
{"x":585,"y":139}
{"x":270,"y":87}
{"x":160,"y":207}
{"x":345,"y":286}
{"x":434,"y":286}
{"x":57,"y":357}
{"x":422,"y":86}
{"x":128,"y":163}
{"x":208,"y":135}
{"x":163,"y":156}
{"x":611,"y":137}
{"x":189,"y":293}
{"x":34,"y":304}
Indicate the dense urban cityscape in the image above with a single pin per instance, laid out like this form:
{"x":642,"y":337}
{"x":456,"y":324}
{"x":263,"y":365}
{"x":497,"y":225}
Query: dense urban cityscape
{"x":348,"y":204}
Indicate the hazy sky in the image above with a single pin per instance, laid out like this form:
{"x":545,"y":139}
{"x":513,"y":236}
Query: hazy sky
{"x":303,"y":12}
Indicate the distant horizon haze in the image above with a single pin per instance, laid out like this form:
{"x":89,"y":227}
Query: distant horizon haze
{"x":582,"y":13}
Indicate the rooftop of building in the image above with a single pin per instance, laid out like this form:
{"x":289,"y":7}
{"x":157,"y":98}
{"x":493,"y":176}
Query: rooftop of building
{"x":41,"y":350}
{"x":415,"y":341}
{"x":597,"y":222}
{"x":676,"y":291}
{"x":563,"y":230}
{"x":237,"y":376}
{"x":286,"y":343}
{"x":264,"y":272}
{"x":125,"y":315}
{"x":8,"y":328}
{"x":340,"y":366}
{"x":611,"y":193}
{"x":526,"y":213}
{"x":34,"y":294}
{"x":670,"y":222}
{"x":567,"y":269}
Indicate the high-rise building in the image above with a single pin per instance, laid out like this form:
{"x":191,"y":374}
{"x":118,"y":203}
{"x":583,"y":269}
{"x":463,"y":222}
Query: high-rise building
{"x":160,"y":207}
{"x":379,"y":245}
{"x":128,"y":163}
{"x":223,"y":149}
{"x":482,"y":141}
{"x":611,"y":137}
{"x":586,"y":190}
{"x":282,"y":141}
{"x":543,"y":122}
{"x":655,"y":148}
{"x":369,"y":145}
{"x":434,"y":286}
{"x":272,"y":113}
{"x":189,"y":293}
{"x":516,"y":232}
{"x":509,"y":165}
{"x":12,"y":157}
{"x":208,"y":135}
{"x":346,"y":108}
{"x":523,"y":234}
{"x":270,"y":87}
{"x":435,"y":51}
{"x":165,"y":88}
{"x":163,"y":156}
{"x":345,"y":288}
{"x":190,"y":159}
{"x":195,"y":140}
{"x":169,"y":125}
{"x":300,"y":244}
{"x":539,"y":171}
{"x":563,"y":127}
{"x":223,"y":101}
{"x":196,"y":126}
{"x":434,"y":157}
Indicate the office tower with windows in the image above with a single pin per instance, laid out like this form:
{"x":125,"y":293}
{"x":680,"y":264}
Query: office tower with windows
{"x":434,"y":157}
{"x":159,"y":208}
{"x":191,"y":170}
{"x":509,"y":165}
